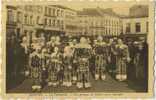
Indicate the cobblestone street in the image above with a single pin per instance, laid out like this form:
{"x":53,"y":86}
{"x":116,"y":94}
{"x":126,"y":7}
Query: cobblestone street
{"x":109,"y":85}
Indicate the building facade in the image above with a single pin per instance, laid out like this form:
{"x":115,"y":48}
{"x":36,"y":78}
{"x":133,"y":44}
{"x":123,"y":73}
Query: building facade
{"x":71,"y":27}
{"x":99,"y":21}
{"x":135,"y":25}
{"x":137,"y":21}
{"x":54,"y":20}
{"x":11,"y":22}
{"x":33,"y":20}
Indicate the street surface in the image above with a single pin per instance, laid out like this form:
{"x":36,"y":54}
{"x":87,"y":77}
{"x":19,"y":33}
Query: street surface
{"x":108,"y":85}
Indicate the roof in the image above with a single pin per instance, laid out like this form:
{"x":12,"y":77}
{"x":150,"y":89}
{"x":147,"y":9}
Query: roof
{"x":89,"y":12}
{"x":134,"y":16}
{"x":97,"y":12}
{"x":11,"y":7}
{"x":63,"y":7}
{"x":108,"y":11}
{"x":139,"y":7}
{"x":139,"y":11}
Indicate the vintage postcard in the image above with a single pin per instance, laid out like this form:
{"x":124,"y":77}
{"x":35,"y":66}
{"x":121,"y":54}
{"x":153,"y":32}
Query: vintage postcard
{"x":77,"y":49}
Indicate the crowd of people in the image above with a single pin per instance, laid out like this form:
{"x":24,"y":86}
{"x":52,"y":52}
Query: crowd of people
{"x":73,"y":62}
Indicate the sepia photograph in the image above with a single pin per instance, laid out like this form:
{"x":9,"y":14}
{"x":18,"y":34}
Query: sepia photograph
{"x":78,"y":48}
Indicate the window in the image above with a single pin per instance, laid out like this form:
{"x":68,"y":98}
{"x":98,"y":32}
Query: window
{"x":146,"y":26}
{"x":10,"y":16}
{"x":18,"y":32}
{"x":58,"y":23}
{"x":91,"y":23}
{"x":45,"y":21}
{"x":38,"y":18}
{"x":49,"y":13}
{"x":106,"y":31}
{"x":62,"y":25}
{"x":46,"y":10}
{"x":62,"y":13}
{"x":19,"y":17}
{"x":61,"y":22}
{"x":31,"y":20}
{"x":109,"y":32}
{"x":85,"y":21}
{"x":25,"y":19}
{"x":39,"y":8}
{"x":54,"y":22}
{"x":49,"y":22}
{"x":58,"y":12}
{"x":137,"y":27}
{"x":30,"y":8}
{"x":53,"y":12}
{"x":128,"y":29}
{"x":117,"y":24}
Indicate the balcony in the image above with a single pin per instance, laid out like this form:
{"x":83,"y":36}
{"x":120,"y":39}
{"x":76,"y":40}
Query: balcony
{"x":52,"y":28}
{"x":39,"y":26}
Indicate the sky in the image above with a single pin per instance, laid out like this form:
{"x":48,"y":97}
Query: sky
{"x":121,"y":8}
